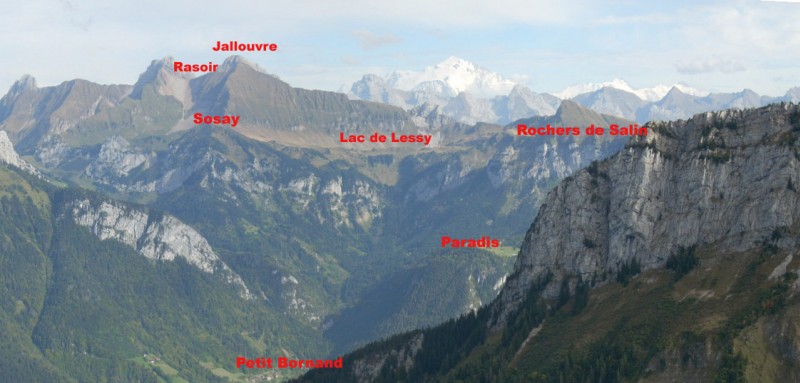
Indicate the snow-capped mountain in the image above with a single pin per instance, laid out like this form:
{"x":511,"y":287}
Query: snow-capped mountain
{"x":651,"y":94}
{"x":793,"y":95}
{"x":465,"y":91}
{"x":469,"y":93}
{"x":679,"y":101}
{"x":451,"y":77}
{"x":676,"y":104}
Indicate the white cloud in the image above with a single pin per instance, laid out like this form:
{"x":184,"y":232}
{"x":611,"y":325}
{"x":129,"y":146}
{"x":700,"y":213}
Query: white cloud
{"x":706,"y":65}
{"x":369,"y":40}
{"x":747,"y":28}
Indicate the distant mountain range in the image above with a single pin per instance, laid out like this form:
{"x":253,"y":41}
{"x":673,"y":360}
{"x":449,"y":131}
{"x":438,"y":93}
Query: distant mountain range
{"x":139,"y":245}
{"x":469,"y":93}
{"x":647,"y":94}
{"x":194,"y":243}
{"x":463,"y":91}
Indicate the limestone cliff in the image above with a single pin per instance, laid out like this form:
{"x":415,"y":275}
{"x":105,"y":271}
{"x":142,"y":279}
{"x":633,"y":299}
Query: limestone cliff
{"x":729,"y":178}
{"x":9,"y":156}
{"x":155,"y":236}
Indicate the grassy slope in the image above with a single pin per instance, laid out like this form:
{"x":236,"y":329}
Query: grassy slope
{"x":657,"y":329}
{"x":724,"y":321}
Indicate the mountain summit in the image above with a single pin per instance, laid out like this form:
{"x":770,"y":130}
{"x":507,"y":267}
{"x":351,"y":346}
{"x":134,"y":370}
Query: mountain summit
{"x":457,"y":75}
{"x":465,"y":91}
{"x":654,"y":93}
{"x":162,"y":76}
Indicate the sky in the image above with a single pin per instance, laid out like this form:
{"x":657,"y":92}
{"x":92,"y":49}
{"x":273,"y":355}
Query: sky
{"x":716,"y":46}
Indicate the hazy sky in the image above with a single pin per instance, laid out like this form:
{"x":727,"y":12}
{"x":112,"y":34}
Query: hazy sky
{"x":548,"y":45}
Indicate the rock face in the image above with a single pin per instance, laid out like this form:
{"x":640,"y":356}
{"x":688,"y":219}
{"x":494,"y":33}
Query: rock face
{"x":166,"y":81}
{"x":156,"y":237}
{"x":116,"y":159}
{"x":9,"y":156}
{"x":368,"y":369}
{"x":612,"y":101}
{"x":728,"y":178}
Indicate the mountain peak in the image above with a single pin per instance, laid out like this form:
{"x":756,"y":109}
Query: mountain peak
{"x":654,"y":93}
{"x":24,"y":84}
{"x":619,"y":84}
{"x":165,"y":64}
{"x":458,"y":74}
{"x":234,"y":61}
{"x":578,"y":89}
{"x":161,"y":75}
{"x":457,"y":63}
{"x":749,"y":92}
{"x":572,"y":113}
{"x":793,"y":94}
{"x":521,"y":89}
{"x":575,"y":113}
{"x":568,"y":106}
{"x":674,"y":92}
